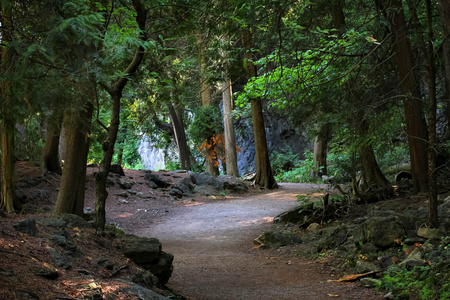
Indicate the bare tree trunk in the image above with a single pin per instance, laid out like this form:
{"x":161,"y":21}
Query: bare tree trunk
{"x":211,"y":162}
{"x":415,"y":122}
{"x":320,"y":150}
{"x":176,"y":117}
{"x":8,"y":198}
{"x":51,"y":161}
{"x":115,"y":92}
{"x":76,"y":126}
{"x":264,"y":176}
{"x":230,"y":138}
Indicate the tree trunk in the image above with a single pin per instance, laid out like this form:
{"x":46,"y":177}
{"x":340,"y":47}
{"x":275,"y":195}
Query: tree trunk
{"x":432,"y":219}
{"x":444,"y":10}
{"x":415,"y":123}
{"x":76,"y":126}
{"x":8,"y":198}
{"x":264,"y":176}
{"x":230,"y":138}
{"x":101,"y":194}
{"x":211,"y":161}
{"x":176,"y":117}
{"x":115,"y":91}
{"x":320,"y":151}
{"x":51,"y":161}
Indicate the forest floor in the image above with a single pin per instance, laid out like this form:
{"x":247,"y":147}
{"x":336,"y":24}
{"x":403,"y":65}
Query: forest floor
{"x":210,"y":237}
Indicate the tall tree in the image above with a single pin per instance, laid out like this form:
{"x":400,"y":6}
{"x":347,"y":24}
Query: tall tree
{"x":115,"y":91}
{"x":264,"y":176}
{"x":230,"y":138}
{"x":415,"y":122}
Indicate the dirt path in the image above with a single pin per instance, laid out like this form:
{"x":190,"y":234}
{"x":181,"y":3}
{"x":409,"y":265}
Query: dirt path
{"x":215,"y":258}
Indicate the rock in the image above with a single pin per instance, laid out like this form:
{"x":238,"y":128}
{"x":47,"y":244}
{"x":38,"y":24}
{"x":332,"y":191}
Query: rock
{"x":335,"y":238}
{"x":152,"y":185}
{"x":363,"y":266}
{"x":58,"y":240}
{"x":429,"y":233}
{"x":105,"y":262}
{"x":233,"y":184}
{"x":59,"y":259}
{"x":381,"y":231}
{"x":52,"y":222}
{"x":144,"y":278}
{"x":123,"y":194}
{"x":21,"y":196}
{"x":314,"y":227}
{"x":141,"y":250}
{"x":27,"y":226}
{"x":369,"y":282}
{"x":45,"y":272}
{"x":109,"y":182}
{"x":414,"y":259}
{"x":144,"y":196}
{"x":163,"y":268}
{"x":160,"y":183}
{"x":277,"y":239}
{"x":296,"y":215}
{"x":206,"y":190}
{"x":141,"y":292}
{"x":122,"y":201}
{"x":25,"y":295}
{"x":387,"y":261}
{"x":184,"y":186}
{"x":124,"y":184}
{"x":369,"y":248}
{"x":73,"y":221}
{"x":205,"y":179}
{"x":176,"y":193}
{"x":117,"y":169}
{"x":389,"y":295}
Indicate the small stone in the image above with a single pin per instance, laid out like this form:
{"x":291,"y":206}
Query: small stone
{"x":27,"y":226}
{"x":123,"y":194}
{"x":369,"y":282}
{"x":389,"y":296}
{"x":122,"y":201}
{"x":429,"y":233}
{"x":314,"y":227}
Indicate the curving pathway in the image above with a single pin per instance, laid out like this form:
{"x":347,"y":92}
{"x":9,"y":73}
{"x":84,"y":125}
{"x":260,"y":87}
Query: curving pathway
{"x":215,"y":258}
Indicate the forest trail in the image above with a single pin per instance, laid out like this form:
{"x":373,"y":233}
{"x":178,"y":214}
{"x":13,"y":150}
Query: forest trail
{"x":215,"y":256}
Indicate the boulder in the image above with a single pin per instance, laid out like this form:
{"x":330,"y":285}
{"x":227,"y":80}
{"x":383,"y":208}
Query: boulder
{"x":51,"y":222}
{"x":140,"y":292}
{"x":206,"y":179}
{"x":206,"y":190}
{"x":387,"y":261}
{"x":271,"y":239}
{"x":125,"y":184}
{"x":429,"y":233}
{"x":296,"y":215}
{"x":141,"y":250}
{"x":333,"y":238}
{"x":27,"y":226}
{"x":160,"y":183}
{"x":381,"y":231}
{"x":117,"y":169}
{"x":363,"y":266}
{"x":183,"y":187}
{"x":73,"y":221}
{"x":233,"y":184}
{"x":163,"y":268}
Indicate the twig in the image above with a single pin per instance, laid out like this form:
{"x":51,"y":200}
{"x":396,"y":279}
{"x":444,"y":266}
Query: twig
{"x":118,"y":270}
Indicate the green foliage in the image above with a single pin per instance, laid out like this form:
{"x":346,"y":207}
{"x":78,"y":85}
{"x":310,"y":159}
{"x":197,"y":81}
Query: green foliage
{"x":207,"y":123}
{"x":284,"y":160}
{"x":427,"y":283}
{"x":301,"y":172}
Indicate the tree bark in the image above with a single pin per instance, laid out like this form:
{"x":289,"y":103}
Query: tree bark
{"x":51,"y":161}
{"x":211,"y":161}
{"x":320,"y":150}
{"x":415,"y":122}
{"x":230,"y":138}
{"x":76,"y":126}
{"x":176,"y":117}
{"x":264,"y":176}
{"x":115,"y":92}
{"x":8,"y":198}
